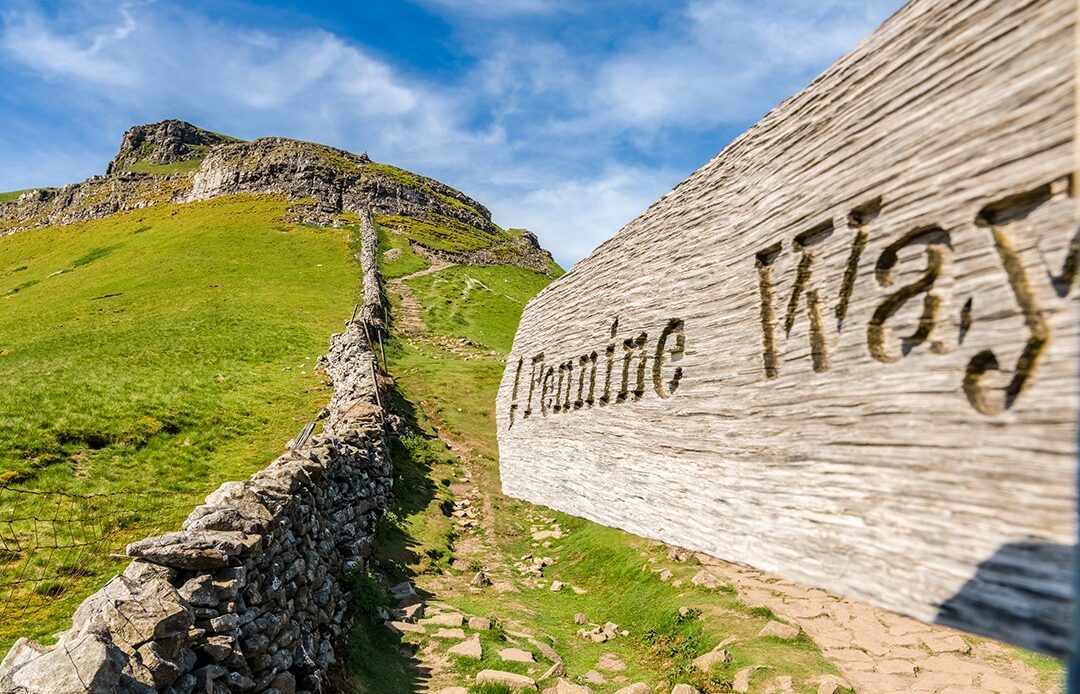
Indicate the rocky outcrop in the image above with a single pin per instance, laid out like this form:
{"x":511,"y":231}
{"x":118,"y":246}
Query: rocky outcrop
{"x":97,"y":197}
{"x":515,"y":250}
{"x":166,"y":142}
{"x":251,"y":594}
{"x":337,"y":180}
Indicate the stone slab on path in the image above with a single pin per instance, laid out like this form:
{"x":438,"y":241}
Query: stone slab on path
{"x":879,"y":652}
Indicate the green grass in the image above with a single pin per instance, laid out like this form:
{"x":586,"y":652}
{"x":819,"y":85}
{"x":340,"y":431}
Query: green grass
{"x":441,"y":234}
{"x":1051,"y":670}
{"x":12,"y":196}
{"x":412,"y":180}
{"x":445,"y":392}
{"x":397,"y":256}
{"x":170,"y":348}
{"x":477,"y":303}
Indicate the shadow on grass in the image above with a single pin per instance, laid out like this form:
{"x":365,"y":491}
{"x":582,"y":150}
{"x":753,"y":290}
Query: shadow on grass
{"x":414,"y":537}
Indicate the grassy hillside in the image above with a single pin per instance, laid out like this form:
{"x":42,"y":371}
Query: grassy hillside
{"x":12,"y":196}
{"x":170,"y":348}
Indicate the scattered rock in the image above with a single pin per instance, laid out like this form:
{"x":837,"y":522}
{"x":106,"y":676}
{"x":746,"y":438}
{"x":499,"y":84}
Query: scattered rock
{"x":510,"y":679}
{"x":684,"y":689}
{"x":779,"y":630}
{"x":678,"y":554}
{"x":831,"y":684}
{"x":611,"y":663}
{"x":449,"y":619}
{"x":565,"y":686}
{"x":479,"y":623}
{"x":480,"y":580}
{"x":635,"y":688}
{"x":405,"y":627}
{"x":506,"y":587}
{"x":581,"y":619}
{"x":741,"y":683}
{"x":449,"y":634}
{"x":556,"y":670}
{"x":517,"y":655}
{"x":409,"y":613}
{"x":717,"y":655}
{"x":666,"y":575}
{"x":470,"y":648}
{"x":707,"y":580}
{"x":594,"y":677}
{"x":556,"y":586}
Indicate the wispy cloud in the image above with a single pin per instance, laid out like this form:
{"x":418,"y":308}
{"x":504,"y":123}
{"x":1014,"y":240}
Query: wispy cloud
{"x":563,"y":117}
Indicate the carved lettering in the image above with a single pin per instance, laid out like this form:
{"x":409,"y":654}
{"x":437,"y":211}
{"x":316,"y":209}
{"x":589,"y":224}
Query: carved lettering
{"x":935,"y":241}
{"x":673,"y":328}
{"x":997,"y":217}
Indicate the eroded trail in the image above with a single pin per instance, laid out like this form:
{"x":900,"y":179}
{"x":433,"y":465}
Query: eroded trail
{"x":516,"y":601}
{"x":410,"y":323}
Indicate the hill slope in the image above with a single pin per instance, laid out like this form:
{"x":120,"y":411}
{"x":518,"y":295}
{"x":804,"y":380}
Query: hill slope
{"x":160,"y":330}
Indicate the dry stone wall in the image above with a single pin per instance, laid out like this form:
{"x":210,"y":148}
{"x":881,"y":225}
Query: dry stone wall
{"x":251,"y":595}
{"x":845,"y":350}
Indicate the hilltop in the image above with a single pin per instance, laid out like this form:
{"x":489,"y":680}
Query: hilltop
{"x":176,"y":162}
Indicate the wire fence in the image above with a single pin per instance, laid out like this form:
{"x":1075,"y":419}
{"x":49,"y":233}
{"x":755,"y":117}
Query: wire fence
{"x":56,"y":546}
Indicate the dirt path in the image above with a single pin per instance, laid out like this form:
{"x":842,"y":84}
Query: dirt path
{"x":878,"y":652}
{"x":884,"y":653}
{"x":410,"y":324}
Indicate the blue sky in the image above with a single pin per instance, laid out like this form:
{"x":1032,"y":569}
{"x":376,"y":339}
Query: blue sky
{"x":568,"y":117}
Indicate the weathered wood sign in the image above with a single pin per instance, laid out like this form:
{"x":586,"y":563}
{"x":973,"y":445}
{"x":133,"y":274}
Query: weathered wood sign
{"x":845,"y":350}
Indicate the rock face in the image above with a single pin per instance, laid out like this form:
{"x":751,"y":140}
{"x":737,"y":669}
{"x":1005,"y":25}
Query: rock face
{"x":251,"y":595}
{"x":166,"y":142}
{"x":845,"y":351}
{"x":336,"y":179}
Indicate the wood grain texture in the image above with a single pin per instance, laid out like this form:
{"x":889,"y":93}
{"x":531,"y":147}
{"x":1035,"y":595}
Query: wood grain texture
{"x":846,"y":348}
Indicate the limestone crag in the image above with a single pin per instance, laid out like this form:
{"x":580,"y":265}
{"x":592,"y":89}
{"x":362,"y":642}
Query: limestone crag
{"x":251,"y":595}
{"x":523,"y":251}
{"x":337,"y":180}
{"x":94,"y":198}
{"x":166,"y":142}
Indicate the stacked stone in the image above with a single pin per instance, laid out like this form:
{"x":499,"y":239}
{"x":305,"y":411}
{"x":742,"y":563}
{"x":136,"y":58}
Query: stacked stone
{"x":251,"y":595}
{"x":372,"y":311}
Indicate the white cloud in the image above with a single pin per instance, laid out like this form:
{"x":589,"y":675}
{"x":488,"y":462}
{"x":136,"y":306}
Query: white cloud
{"x":28,"y":39}
{"x":547,"y":131}
{"x":730,"y":61}
{"x":574,"y":216}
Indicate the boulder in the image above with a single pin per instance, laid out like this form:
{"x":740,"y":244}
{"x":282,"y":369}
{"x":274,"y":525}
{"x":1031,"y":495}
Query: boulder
{"x":565,"y":686}
{"x":511,"y":680}
{"x":211,"y":549}
{"x":469,"y":648}
{"x":779,"y":630}
{"x":82,"y":665}
{"x":479,"y":623}
{"x":517,"y":655}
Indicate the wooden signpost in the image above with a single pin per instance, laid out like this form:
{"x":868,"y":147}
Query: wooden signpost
{"x":845,"y":350}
